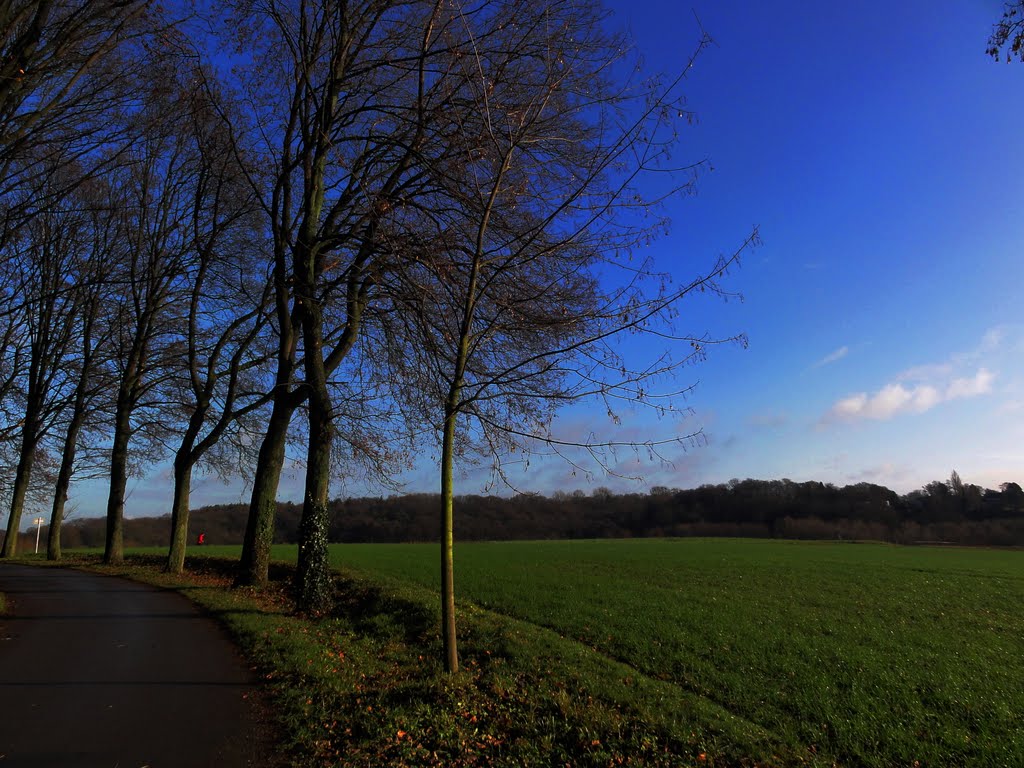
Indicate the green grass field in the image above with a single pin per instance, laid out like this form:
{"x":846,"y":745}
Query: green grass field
{"x":723,"y":652}
{"x":872,"y":654}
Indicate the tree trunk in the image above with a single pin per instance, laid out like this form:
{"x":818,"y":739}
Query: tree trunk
{"x":78,"y":415}
{"x":448,"y":637}
{"x":313,"y":583}
{"x":60,"y":494}
{"x":259,"y":530}
{"x":179,"y":513}
{"x":185,"y":458}
{"x":114,"y":550}
{"x":21,"y":480}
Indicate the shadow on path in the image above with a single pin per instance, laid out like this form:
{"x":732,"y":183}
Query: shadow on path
{"x":101,"y":671}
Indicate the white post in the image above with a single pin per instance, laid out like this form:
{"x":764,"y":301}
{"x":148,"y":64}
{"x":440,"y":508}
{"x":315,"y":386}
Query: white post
{"x":39,"y":525}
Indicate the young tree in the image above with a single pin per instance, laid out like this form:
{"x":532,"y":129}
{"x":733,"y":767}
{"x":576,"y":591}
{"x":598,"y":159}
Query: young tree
{"x":515,"y":307}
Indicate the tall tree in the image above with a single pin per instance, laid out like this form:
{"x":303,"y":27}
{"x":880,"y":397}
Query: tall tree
{"x":43,"y":255}
{"x":90,"y":337}
{"x":515,"y":307}
{"x":61,"y":85}
{"x":227,"y":301}
{"x":87,"y":412}
{"x":347,"y":99}
{"x":155,"y":193}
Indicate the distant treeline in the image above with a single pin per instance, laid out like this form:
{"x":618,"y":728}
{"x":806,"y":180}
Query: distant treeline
{"x":950,"y":511}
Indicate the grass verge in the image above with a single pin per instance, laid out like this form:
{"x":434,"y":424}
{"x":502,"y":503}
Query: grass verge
{"x":364,"y":686}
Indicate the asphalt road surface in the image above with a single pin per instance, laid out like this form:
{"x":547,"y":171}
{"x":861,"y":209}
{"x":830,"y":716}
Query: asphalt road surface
{"x":99,"y":671}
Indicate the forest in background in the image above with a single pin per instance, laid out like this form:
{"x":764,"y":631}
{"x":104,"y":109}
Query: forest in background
{"x":949,"y":512}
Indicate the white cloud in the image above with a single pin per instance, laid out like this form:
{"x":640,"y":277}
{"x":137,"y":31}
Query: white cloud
{"x":832,"y":357}
{"x":850,"y":406}
{"x":922,"y":387}
{"x":896,"y":398}
{"x":981,"y":384}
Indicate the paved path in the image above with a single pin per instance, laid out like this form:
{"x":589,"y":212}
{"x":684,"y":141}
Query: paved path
{"x":98,"y":671}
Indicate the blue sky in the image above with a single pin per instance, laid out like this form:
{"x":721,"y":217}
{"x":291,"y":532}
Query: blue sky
{"x":880,"y":152}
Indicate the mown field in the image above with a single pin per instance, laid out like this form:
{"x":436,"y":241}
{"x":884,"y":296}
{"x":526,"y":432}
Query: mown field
{"x":720,"y":651}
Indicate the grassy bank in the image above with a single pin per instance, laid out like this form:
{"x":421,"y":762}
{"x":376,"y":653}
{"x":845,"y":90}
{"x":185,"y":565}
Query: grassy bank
{"x":364,"y":687}
{"x":653,"y":652}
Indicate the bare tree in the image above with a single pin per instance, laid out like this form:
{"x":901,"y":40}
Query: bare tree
{"x":88,"y":385}
{"x":347,"y":100}
{"x":87,"y":412}
{"x":69,"y":84}
{"x":340,"y":253}
{"x":227,"y":303}
{"x":43,"y":255}
{"x":516,"y":307}
{"x":155,"y":193}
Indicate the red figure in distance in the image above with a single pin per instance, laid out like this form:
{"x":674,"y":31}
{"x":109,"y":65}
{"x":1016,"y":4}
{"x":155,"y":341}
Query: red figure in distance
{"x":201,"y":538}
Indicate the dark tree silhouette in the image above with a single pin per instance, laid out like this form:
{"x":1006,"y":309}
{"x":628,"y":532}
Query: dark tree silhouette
{"x":91,"y":339}
{"x":63,"y":78}
{"x":228,"y":296}
{"x":44,"y":256}
{"x":155,"y":193}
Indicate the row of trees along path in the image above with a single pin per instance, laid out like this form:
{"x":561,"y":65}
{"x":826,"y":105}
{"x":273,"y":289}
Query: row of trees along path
{"x":418,"y":224}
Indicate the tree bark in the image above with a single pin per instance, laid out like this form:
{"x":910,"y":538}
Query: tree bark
{"x":78,"y":416}
{"x":313,"y":583}
{"x":314,"y":593}
{"x":184,"y":460}
{"x":448,"y":636}
{"x":179,"y":514}
{"x":21,"y":479}
{"x":60,"y":494}
{"x":253,"y":570}
{"x":114,"y":549}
